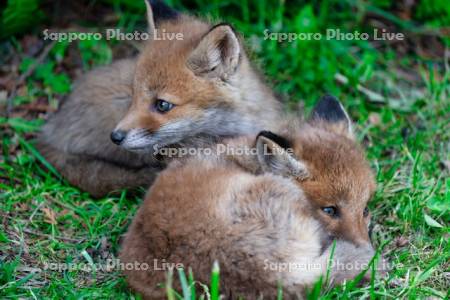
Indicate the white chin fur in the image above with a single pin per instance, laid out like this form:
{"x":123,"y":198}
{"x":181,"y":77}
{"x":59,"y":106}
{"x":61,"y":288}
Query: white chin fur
{"x":138,"y":140}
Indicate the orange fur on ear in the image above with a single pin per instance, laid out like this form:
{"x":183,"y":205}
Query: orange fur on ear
{"x":217,"y":54}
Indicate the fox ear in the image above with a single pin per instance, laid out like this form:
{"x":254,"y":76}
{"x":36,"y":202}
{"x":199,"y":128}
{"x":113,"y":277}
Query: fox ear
{"x":150,"y":19}
{"x":274,"y":157}
{"x":217,"y":54}
{"x":158,"y":11}
{"x":330,"y":112}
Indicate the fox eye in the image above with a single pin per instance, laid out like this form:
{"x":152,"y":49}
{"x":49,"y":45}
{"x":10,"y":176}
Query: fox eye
{"x":163,"y":106}
{"x":366,"y":212}
{"x":331,"y":211}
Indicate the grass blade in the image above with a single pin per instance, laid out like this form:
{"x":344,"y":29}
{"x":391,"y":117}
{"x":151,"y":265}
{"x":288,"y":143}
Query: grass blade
{"x":169,"y":290}
{"x":215,"y":278}
{"x":38,"y":156}
{"x":191,"y":282}
{"x":184,"y":284}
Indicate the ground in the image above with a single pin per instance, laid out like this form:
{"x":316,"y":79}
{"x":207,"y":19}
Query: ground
{"x":397,"y":92}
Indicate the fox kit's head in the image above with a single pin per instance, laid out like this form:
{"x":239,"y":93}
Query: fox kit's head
{"x":329,"y":166}
{"x":192,"y":80}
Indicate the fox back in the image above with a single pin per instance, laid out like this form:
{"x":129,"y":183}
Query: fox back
{"x":258,"y":213}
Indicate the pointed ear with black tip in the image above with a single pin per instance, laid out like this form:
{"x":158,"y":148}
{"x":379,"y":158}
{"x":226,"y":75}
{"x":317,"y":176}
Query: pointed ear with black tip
{"x":330,"y":112}
{"x":218,"y":53}
{"x":274,"y":157}
{"x":158,"y":11}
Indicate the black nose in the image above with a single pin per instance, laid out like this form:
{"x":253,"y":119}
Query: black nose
{"x":117,"y":136}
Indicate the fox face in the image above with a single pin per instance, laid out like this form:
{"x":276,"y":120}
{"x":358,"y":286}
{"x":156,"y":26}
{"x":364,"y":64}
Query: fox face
{"x":329,"y":167}
{"x":188,"y":88}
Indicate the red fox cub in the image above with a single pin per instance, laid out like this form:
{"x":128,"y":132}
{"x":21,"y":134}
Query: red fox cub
{"x":311,"y":187}
{"x":195,"y":89}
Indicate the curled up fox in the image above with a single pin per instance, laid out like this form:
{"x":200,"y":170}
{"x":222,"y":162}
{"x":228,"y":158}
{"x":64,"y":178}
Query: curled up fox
{"x":193,"y":91}
{"x":258,"y":212}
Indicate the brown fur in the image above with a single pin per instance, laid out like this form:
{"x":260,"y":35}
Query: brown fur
{"x":241,"y":102}
{"x":229,"y":209}
{"x":340,"y":176}
{"x":171,"y":79}
{"x":76,"y":139}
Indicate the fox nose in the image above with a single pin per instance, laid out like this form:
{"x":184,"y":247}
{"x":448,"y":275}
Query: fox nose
{"x":117,"y":136}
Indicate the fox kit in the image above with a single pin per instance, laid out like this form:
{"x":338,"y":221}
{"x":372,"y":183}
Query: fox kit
{"x":311,"y":186}
{"x":194,"y":89}
{"x":76,"y":138}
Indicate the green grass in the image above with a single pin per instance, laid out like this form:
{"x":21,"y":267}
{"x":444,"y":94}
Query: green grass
{"x":405,"y":129}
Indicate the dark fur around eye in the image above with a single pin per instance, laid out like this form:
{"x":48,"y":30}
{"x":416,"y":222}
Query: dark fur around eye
{"x":366,"y":212}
